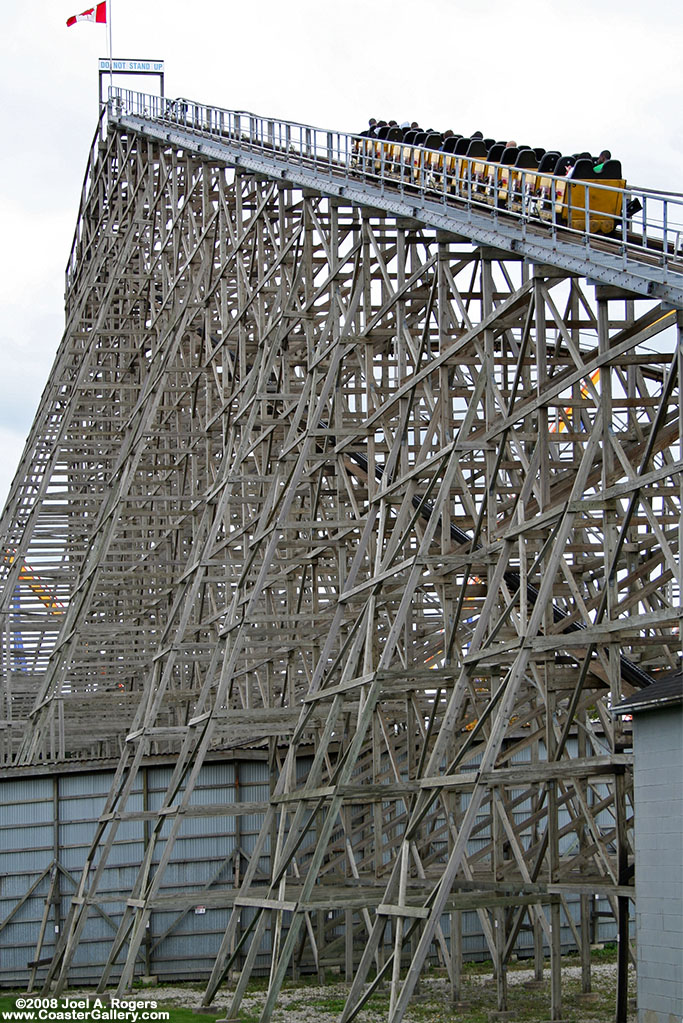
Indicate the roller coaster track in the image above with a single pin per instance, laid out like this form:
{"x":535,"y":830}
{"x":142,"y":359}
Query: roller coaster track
{"x":344,"y":461}
{"x":648,"y":262}
{"x":328,"y":162}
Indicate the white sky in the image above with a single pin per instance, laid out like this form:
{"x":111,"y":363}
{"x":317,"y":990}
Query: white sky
{"x":566,"y":75}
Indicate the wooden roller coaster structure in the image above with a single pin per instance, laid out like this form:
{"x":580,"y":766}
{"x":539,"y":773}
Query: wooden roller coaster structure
{"x":394,"y":504}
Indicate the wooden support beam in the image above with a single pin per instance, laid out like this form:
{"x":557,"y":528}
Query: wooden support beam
{"x":396,"y":513}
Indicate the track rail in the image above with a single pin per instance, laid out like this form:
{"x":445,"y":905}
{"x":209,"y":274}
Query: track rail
{"x":644,"y":255}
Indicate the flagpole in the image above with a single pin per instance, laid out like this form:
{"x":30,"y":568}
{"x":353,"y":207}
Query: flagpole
{"x":111,"y":54}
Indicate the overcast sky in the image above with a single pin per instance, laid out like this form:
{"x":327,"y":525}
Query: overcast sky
{"x":570,"y":76}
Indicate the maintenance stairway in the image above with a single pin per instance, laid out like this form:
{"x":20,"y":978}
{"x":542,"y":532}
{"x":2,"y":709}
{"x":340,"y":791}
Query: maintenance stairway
{"x":350,"y":458}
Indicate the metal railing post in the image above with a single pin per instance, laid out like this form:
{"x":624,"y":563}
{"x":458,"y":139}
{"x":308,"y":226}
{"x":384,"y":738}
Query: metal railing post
{"x":394,"y":166}
{"x":644,"y":221}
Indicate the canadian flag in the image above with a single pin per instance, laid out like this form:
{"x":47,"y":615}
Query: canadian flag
{"x":97,"y":14}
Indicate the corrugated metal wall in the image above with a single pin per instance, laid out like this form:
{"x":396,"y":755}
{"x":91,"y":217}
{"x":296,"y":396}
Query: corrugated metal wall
{"x":46,"y":826}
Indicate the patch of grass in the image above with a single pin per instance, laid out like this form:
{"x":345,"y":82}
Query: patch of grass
{"x":331,"y":1004}
{"x":181,"y":1015}
{"x":325,"y":1002}
{"x":249,"y":1017}
{"x":378,"y":1003}
{"x":607,"y":954}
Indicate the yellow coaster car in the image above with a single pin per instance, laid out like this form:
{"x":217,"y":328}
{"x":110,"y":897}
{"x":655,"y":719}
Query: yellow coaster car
{"x":587,"y":208}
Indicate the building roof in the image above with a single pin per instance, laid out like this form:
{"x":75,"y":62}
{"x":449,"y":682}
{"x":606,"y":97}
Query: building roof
{"x":662,"y":693}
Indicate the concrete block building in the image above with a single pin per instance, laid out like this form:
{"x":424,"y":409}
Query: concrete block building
{"x":658,"y":791}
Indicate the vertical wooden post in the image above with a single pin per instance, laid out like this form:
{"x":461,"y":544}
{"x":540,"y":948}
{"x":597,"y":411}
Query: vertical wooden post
{"x":539,"y":958}
{"x":622,"y":901}
{"x":455,"y":977}
{"x":348,"y":945}
{"x":302,"y":437}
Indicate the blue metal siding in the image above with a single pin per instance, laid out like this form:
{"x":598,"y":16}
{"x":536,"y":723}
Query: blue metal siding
{"x":203,"y":857}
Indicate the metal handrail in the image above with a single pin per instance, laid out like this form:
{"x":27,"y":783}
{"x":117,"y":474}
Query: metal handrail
{"x":653,"y":235}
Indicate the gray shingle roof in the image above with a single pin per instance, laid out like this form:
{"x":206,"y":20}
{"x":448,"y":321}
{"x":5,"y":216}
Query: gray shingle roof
{"x":663,"y":692}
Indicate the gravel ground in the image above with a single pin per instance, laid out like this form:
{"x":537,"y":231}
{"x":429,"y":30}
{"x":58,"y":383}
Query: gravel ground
{"x":310,"y":1003}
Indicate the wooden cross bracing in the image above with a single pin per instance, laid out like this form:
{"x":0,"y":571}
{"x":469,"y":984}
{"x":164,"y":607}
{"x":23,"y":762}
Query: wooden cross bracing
{"x":403,"y":510}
